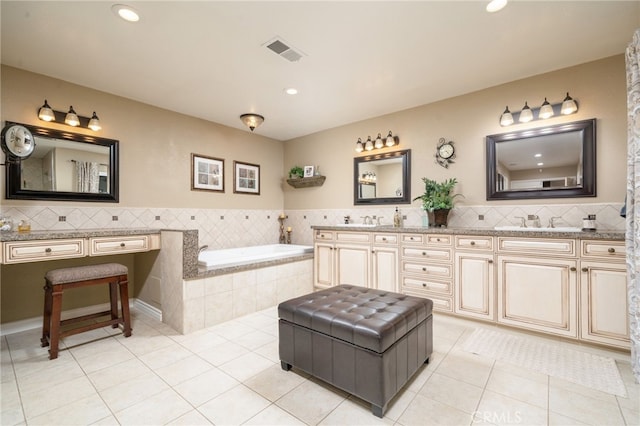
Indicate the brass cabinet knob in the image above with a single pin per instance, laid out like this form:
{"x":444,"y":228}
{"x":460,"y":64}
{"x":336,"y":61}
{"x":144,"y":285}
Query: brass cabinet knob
{"x":438,"y":239}
{"x":424,"y":269}
{"x":47,"y":250}
{"x":384,"y":238}
{"x":411,"y":238}
{"x":572,"y":269}
{"x":424,"y":253}
{"x":489,"y":261}
{"x":473,"y":243}
{"x":122,"y":245}
{"x":424,"y":284}
{"x":611,"y":250}
{"x":585,"y":269}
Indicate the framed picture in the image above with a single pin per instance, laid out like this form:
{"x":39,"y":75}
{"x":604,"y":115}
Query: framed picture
{"x":207,"y":173}
{"x":308,"y":171}
{"x":246,"y":178}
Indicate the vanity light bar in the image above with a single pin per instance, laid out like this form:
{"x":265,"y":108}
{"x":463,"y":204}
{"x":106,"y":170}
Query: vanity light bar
{"x":379,"y":143}
{"x":546,"y":110}
{"x":70,"y":118}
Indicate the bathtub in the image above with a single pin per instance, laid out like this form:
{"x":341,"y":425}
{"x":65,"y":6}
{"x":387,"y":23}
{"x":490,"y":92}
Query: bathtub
{"x":214,"y":259}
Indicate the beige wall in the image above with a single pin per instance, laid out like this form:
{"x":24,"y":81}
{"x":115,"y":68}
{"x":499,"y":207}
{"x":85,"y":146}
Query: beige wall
{"x":155,"y":145}
{"x":599,"y":87}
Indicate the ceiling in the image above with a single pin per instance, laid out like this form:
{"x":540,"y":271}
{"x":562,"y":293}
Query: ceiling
{"x":360,"y":59}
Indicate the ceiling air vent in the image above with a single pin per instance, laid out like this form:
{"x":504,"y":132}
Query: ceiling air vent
{"x":279,"y":47}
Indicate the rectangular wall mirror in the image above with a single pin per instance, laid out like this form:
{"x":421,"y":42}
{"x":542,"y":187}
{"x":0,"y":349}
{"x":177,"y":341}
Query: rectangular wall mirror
{"x":65,"y":166}
{"x":382,"y":178}
{"x":547,"y":162}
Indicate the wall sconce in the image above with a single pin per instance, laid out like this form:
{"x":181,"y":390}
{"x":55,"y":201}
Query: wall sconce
{"x":566,"y":107}
{"x":70,"y":118}
{"x":379,"y":142}
{"x":252,"y":120}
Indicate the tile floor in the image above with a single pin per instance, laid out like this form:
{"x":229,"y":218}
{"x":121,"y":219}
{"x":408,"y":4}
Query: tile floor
{"x":230,"y":374}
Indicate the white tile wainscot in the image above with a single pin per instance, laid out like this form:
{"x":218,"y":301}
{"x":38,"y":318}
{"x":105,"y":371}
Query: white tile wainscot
{"x":212,"y":300}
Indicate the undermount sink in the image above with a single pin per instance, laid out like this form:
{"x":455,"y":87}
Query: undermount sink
{"x":556,"y":229}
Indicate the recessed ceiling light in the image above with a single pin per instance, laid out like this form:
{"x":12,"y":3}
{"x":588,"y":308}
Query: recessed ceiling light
{"x":291,"y":91}
{"x":496,"y":5}
{"x":540,"y":164}
{"x":125,"y":12}
{"x":538,"y":155}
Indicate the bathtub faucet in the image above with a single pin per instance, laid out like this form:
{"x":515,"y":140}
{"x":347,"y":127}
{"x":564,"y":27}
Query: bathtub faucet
{"x":204,"y":247}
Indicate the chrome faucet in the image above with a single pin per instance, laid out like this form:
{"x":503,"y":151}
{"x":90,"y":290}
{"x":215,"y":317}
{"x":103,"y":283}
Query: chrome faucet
{"x":204,"y":247}
{"x":551,"y":221}
{"x":523,"y":221}
{"x":367,"y":220}
{"x":535,"y":219}
{"x":380,"y":221}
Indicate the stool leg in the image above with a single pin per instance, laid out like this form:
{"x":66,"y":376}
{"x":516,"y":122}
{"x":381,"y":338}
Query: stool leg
{"x":113,"y":296}
{"x":46,"y":317}
{"x":124,"y":301}
{"x":56,"y":310}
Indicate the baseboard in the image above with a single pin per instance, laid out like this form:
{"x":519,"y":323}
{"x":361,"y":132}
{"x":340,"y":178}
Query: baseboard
{"x":147,"y":309}
{"x":36,"y":322}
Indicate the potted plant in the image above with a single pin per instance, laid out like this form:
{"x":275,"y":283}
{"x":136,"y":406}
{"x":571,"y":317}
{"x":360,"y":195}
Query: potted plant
{"x":296,"y":172}
{"x":437,"y":198}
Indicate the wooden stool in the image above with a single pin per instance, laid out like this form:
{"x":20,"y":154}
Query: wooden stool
{"x":59,"y":280}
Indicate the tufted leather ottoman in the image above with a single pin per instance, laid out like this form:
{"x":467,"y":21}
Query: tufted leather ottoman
{"x":367,"y":342}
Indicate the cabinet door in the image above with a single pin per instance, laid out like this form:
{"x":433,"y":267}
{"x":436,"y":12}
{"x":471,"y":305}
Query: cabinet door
{"x":604,"y":307}
{"x":384,"y":261}
{"x":474,"y":285}
{"x":323,"y":265}
{"x":539,"y":294}
{"x":352,"y":264}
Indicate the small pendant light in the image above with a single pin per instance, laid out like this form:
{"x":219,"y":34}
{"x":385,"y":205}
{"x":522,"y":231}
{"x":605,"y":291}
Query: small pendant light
{"x":369,"y":145}
{"x":379,"y":144}
{"x":546,"y":110}
{"x":359,"y":147}
{"x":45,"y":113}
{"x":94,"y":123}
{"x":390,"y":140}
{"x":506,"y":119}
{"x":568,"y":105}
{"x":72,"y":118}
{"x":526,"y":115}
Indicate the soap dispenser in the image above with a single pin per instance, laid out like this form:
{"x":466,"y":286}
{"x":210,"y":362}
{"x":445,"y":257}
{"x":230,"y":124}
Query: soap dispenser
{"x":397,"y":219}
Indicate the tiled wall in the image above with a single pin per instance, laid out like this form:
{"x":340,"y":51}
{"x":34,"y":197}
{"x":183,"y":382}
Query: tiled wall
{"x":226,"y":228}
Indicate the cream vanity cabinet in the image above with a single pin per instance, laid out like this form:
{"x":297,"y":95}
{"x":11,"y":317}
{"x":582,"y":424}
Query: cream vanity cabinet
{"x":604,"y":315}
{"x":26,"y":251}
{"x":537,"y":283}
{"x":358,"y":258}
{"x":474,"y":282}
{"x":427,"y":269}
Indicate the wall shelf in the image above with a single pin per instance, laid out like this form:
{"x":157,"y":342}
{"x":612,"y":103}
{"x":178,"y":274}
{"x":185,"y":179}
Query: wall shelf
{"x":307,"y":182}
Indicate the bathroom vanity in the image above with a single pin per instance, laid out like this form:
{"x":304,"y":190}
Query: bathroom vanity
{"x":569,"y":284}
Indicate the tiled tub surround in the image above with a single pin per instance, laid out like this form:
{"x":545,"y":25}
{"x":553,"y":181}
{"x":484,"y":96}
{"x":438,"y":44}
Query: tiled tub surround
{"x":228,"y":228}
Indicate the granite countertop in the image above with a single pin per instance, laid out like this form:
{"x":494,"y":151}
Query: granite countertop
{"x":84,"y":233}
{"x":600,"y":234}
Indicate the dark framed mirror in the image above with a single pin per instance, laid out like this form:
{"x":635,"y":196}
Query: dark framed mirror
{"x":382,"y":178}
{"x":65,"y":166}
{"x":548,"y":162}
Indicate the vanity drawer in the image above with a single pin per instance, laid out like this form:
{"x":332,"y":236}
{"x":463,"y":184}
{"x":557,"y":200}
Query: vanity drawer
{"x":99,"y":246}
{"x":474,"y":242}
{"x":385,"y":238}
{"x":604,"y":249}
{"x":416,"y":285}
{"x":413,"y":238}
{"x":323,"y":236}
{"x":537,"y":246}
{"x":353,"y":237}
{"x":427,"y":253}
{"x":37,"y":251}
{"x":438,"y":239}
{"x":420,"y":270}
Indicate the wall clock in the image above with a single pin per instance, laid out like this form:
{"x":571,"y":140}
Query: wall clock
{"x":17,"y":141}
{"x":445,"y":153}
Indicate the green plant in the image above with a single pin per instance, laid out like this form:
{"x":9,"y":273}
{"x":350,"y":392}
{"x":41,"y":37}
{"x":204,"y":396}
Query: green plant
{"x":296,"y":171}
{"x":437,"y":196}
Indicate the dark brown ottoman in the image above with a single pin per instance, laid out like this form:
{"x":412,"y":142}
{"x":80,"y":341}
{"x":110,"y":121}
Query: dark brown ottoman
{"x":367,"y":342}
